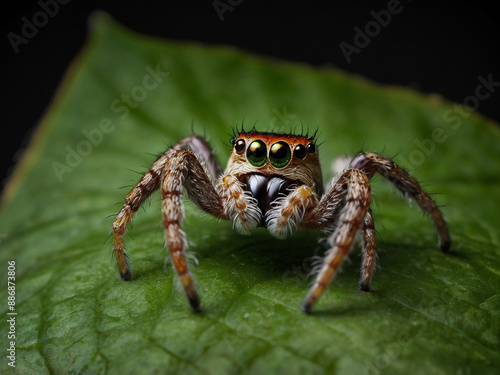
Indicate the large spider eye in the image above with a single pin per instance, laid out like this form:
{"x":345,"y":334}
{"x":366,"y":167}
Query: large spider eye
{"x":300,"y":151}
{"x":280,"y":154}
{"x":257,"y":153}
{"x":239,"y":146}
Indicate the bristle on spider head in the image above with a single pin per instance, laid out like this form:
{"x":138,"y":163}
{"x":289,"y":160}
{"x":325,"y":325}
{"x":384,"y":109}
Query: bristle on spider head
{"x":304,"y":133}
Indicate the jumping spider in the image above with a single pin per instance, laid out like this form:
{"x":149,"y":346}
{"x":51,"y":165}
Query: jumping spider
{"x":273,"y":181}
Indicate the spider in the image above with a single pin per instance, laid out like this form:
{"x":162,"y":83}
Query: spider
{"x":273,"y":181}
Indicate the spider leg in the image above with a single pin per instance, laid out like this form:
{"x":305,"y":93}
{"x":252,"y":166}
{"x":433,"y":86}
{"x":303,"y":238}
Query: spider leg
{"x":370,"y":163}
{"x":325,"y":216}
{"x":190,"y":162}
{"x":369,"y":252}
{"x":204,"y":153}
{"x":353,"y":213}
{"x":183,"y":169}
{"x":144,"y":188}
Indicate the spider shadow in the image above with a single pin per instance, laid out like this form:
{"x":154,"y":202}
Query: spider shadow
{"x":263,"y":258}
{"x":273,"y":255}
{"x":355,"y":307}
{"x":292,"y":263}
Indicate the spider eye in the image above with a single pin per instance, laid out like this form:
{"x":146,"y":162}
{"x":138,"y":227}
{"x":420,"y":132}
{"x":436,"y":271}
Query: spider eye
{"x":239,"y":146}
{"x":300,"y":151}
{"x":257,"y":153}
{"x":311,"y":148}
{"x":280,"y":154}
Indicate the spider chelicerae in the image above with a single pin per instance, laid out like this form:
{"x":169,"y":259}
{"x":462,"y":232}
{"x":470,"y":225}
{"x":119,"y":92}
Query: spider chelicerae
{"x":273,"y":181}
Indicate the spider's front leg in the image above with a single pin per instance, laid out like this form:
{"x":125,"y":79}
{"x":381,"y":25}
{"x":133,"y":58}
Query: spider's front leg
{"x":350,"y":199}
{"x":346,"y":205}
{"x":343,"y":210}
{"x":184,"y":170}
{"x":190,"y":164}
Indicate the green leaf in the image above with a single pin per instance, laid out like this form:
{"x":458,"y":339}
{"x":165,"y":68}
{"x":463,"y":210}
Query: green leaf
{"x":127,"y":96}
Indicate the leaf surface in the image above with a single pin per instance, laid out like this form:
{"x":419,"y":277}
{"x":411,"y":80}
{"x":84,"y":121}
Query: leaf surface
{"x":127,"y":97}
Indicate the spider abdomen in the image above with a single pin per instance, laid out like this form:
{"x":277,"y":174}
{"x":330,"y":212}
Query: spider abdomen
{"x":266,"y":189}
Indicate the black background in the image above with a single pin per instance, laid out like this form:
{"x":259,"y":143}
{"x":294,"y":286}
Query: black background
{"x":433,"y":47}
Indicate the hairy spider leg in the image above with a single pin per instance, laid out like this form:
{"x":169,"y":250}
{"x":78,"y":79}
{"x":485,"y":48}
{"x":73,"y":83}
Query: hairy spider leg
{"x":204,"y":152}
{"x":331,"y":206}
{"x":183,"y":170}
{"x":351,"y":220}
{"x":176,"y":174}
{"x":370,"y":163}
{"x":369,"y":252}
{"x":324,"y":215}
{"x":171,"y":168}
{"x":146,"y":185}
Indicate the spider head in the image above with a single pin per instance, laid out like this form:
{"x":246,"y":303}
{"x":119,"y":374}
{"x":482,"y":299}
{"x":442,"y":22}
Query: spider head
{"x":290,"y":158}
